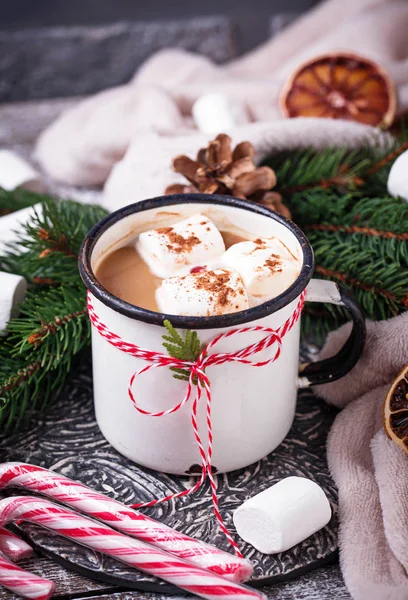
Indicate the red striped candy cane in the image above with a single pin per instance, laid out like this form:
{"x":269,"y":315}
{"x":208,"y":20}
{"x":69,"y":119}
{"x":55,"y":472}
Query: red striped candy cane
{"x":133,"y":552}
{"x":24,"y":583}
{"x":13,"y":547}
{"x":122,"y":518}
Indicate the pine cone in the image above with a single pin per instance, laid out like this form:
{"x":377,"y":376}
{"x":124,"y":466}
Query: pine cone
{"x":274,"y":201}
{"x":219,"y":170}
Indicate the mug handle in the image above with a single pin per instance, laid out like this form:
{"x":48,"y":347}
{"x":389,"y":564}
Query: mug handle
{"x":330,"y":369}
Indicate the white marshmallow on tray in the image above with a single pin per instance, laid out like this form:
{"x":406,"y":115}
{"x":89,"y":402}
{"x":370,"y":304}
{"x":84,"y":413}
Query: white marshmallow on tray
{"x":213,"y":113}
{"x":16,"y":172}
{"x":12,"y":226}
{"x":283,"y":515}
{"x":12,"y":292}
{"x":168,"y":251}
{"x":266,"y":266}
{"x":202,"y":293}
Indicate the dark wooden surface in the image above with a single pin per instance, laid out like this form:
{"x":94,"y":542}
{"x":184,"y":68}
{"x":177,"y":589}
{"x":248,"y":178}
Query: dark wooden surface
{"x":323,"y":584}
{"x":250,"y":19}
{"x":67,"y":440}
{"x":88,"y":60}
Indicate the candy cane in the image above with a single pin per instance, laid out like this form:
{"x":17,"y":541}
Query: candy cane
{"x":133,"y":552}
{"x":24,"y":583}
{"x":13,"y":547}
{"x":126,"y":520}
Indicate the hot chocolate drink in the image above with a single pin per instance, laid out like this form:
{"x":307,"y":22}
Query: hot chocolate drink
{"x":126,"y":275}
{"x":194,"y":269}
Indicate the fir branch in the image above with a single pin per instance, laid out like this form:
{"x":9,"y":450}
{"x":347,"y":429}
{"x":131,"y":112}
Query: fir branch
{"x":38,"y":336}
{"x":47,"y":251}
{"x":375,"y":270}
{"x":330,"y":218}
{"x":19,"y":377}
{"x":37,"y":355}
{"x":355,"y":229}
{"x":187,"y":349}
{"x":40,"y":347}
{"x":308,"y":169}
{"x":52,"y":322}
{"x":49,"y":268}
{"x":11,"y":201}
{"x":371,"y":288}
{"x":388,"y":158}
{"x":361,"y":242}
{"x":44,"y":281}
{"x":54,"y":244}
{"x":305,"y":167}
{"x":59,"y":227}
{"x":331,"y":207}
{"x":365,"y":170}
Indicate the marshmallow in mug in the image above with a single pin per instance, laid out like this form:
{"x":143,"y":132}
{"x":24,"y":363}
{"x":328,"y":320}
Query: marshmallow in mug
{"x":168,"y":251}
{"x":266,"y":266}
{"x":202,"y":293}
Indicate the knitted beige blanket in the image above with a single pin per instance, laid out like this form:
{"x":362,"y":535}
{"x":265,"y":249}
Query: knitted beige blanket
{"x":371,"y":471}
{"x":125,"y":137}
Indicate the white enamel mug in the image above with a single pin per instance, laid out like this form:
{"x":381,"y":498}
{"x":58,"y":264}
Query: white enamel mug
{"x":252,"y":407}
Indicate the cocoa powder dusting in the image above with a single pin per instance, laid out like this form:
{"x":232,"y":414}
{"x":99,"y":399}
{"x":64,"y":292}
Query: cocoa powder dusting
{"x":217,"y":285}
{"x":222,"y":299}
{"x":259,"y":244}
{"x":164,"y":230}
{"x":274,"y":264}
{"x":178,"y":243}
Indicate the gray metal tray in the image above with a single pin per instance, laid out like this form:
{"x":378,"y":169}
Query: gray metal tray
{"x":68,"y":441}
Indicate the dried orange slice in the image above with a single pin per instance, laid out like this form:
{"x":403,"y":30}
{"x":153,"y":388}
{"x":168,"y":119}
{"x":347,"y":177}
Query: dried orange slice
{"x":396,"y":410}
{"x":341,"y":86}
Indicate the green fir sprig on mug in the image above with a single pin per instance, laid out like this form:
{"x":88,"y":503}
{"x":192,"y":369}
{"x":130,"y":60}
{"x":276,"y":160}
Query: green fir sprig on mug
{"x":187,"y":348}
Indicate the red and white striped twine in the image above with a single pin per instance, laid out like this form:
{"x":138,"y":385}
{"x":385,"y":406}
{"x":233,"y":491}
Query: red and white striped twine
{"x":200,"y":381}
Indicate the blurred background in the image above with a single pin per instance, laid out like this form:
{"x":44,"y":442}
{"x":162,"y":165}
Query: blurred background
{"x":252,"y":20}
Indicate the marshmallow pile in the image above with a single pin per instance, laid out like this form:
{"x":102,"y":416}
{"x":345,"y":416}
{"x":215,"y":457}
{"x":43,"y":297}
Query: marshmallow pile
{"x":201,"y":278}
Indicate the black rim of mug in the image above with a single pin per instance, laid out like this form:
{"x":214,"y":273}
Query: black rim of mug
{"x":182,"y":322}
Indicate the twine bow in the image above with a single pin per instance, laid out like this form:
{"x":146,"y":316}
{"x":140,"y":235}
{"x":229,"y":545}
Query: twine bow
{"x":199,"y":381}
